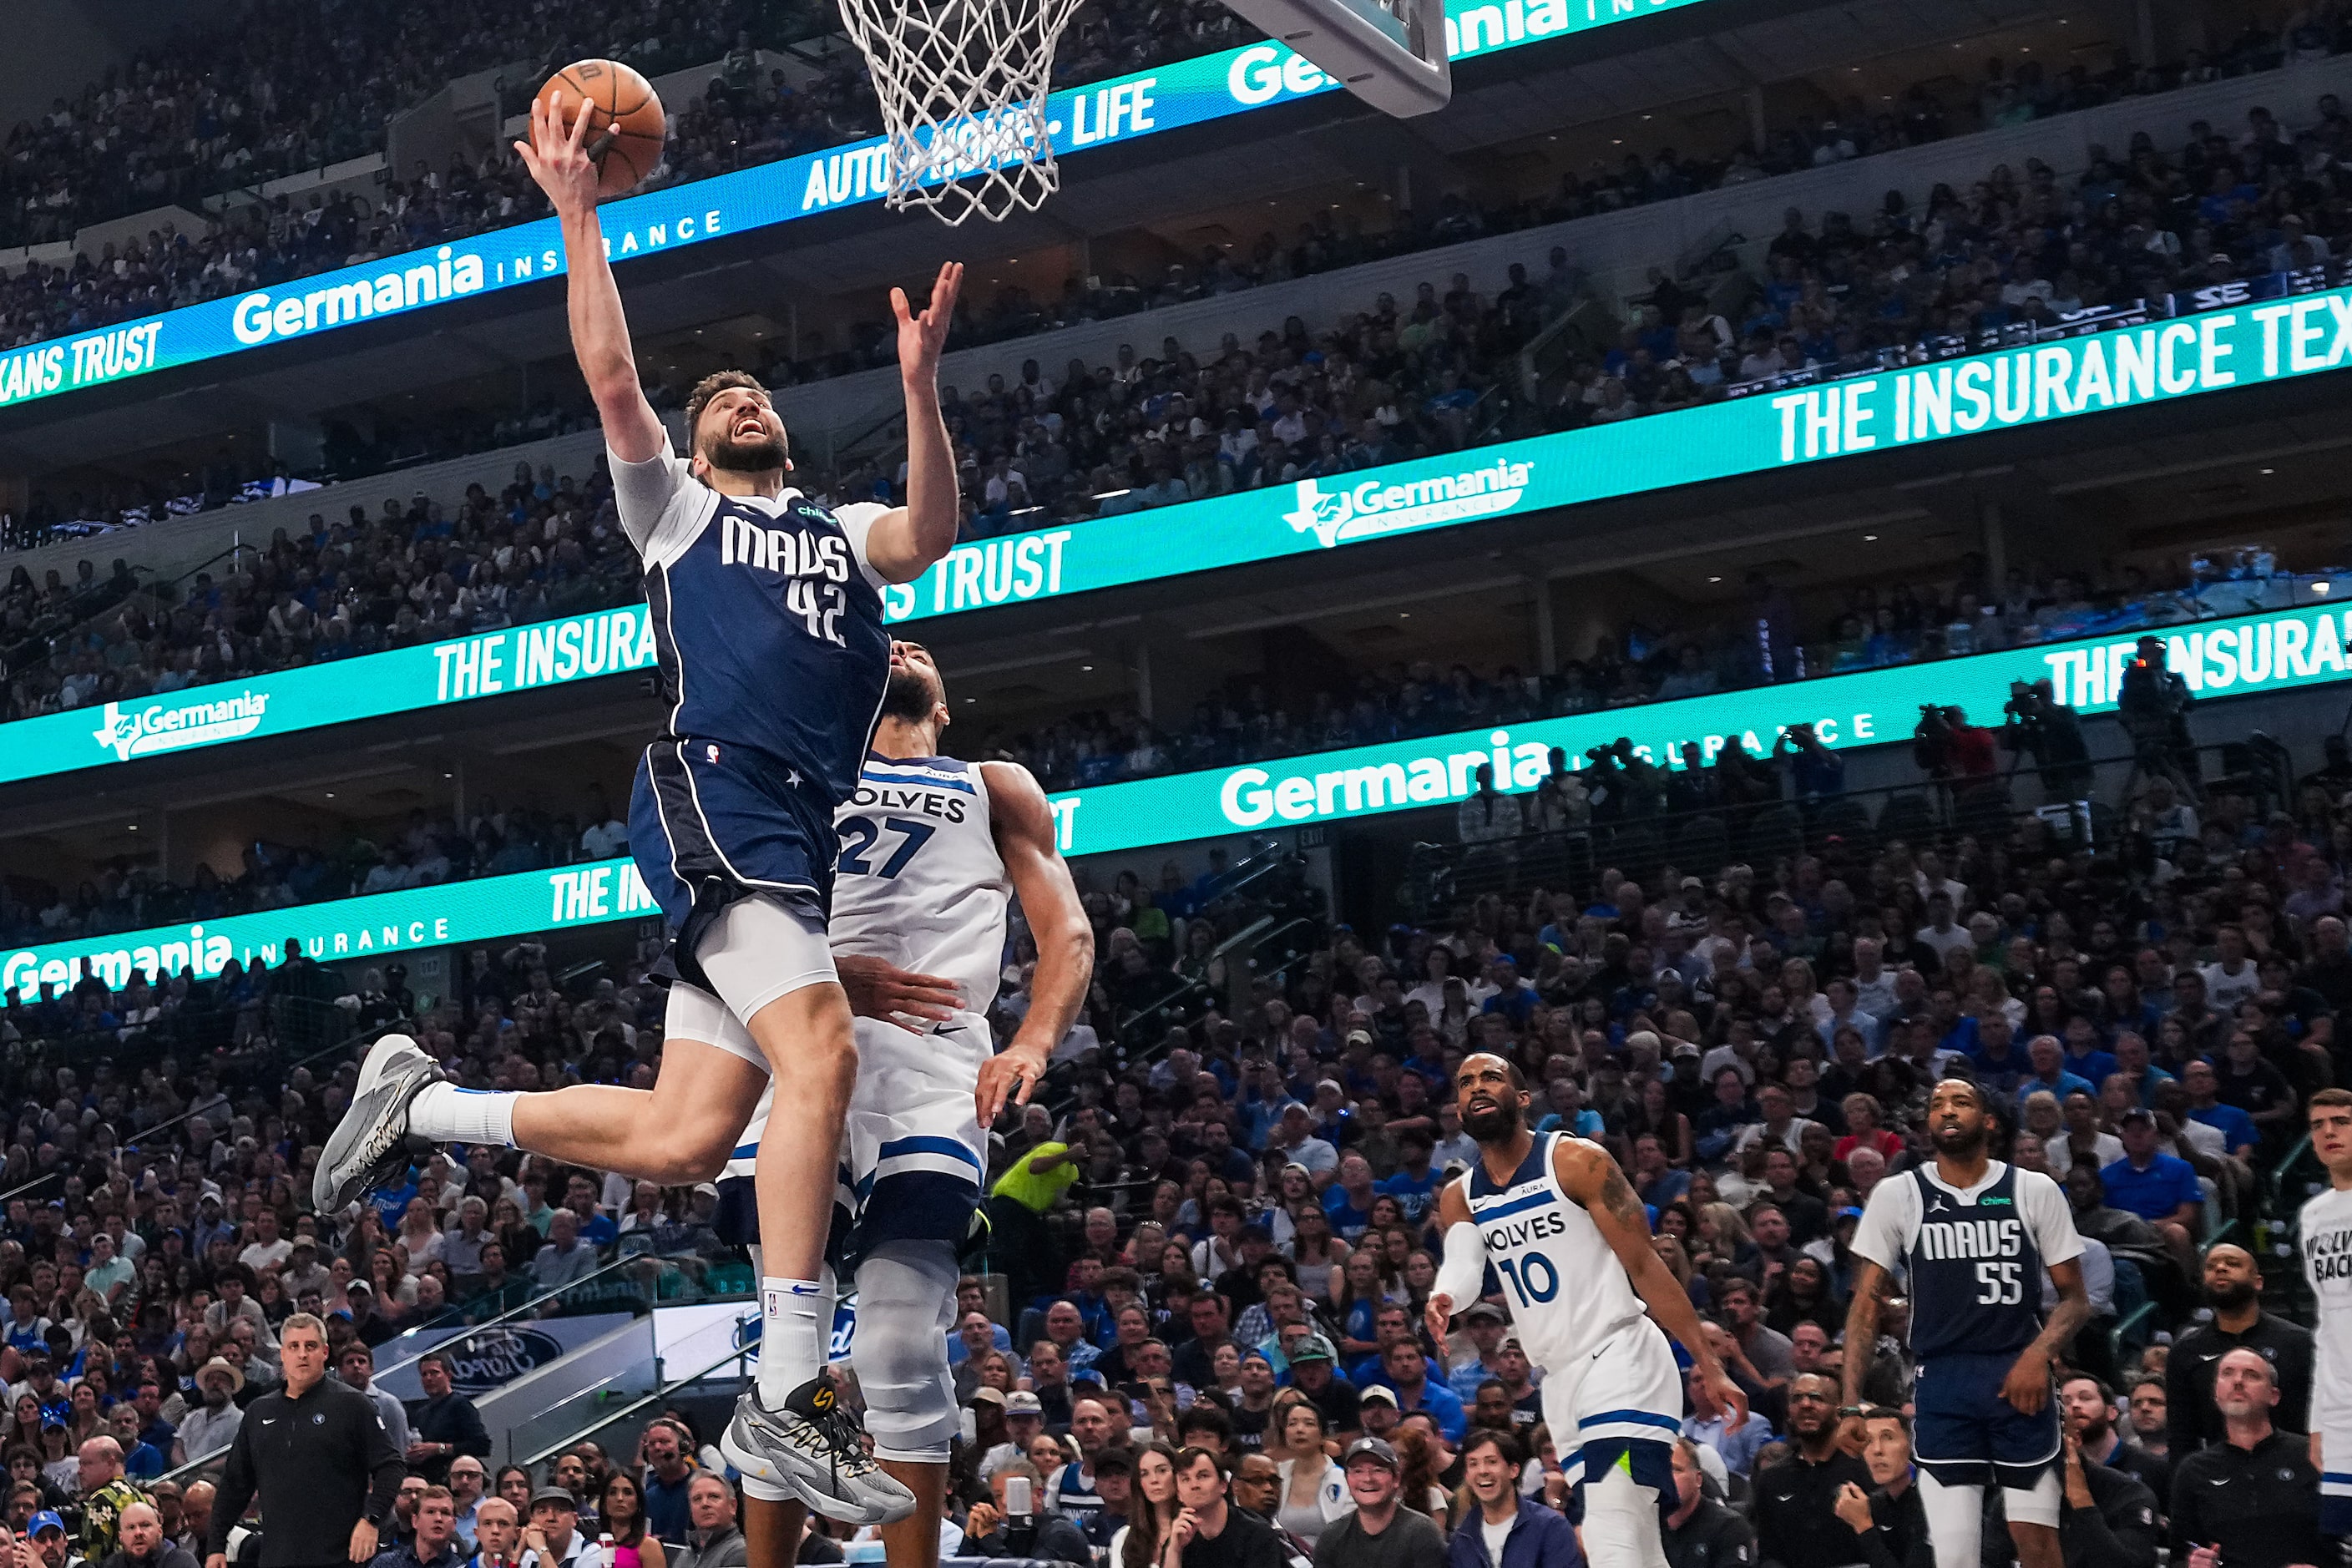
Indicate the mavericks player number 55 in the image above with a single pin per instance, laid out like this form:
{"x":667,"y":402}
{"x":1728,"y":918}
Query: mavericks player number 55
{"x":1975,"y":1237}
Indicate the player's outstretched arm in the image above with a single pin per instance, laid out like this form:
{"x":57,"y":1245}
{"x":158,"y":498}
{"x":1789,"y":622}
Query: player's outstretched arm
{"x":1022,"y":821}
{"x":558,"y":160}
{"x":1588,"y":1174}
{"x":1463,"y":1271}
{"x":909,"y":541}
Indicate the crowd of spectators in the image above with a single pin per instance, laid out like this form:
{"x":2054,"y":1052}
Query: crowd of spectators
{"x":1226,"y":1193}
{"x":1912,"y":621}
{"x":1437,"y":373}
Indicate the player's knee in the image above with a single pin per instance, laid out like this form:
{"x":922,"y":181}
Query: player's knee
{"x":687,"y":1154}
{"x":901,"y":1353}
{"x":1621,"y":1522}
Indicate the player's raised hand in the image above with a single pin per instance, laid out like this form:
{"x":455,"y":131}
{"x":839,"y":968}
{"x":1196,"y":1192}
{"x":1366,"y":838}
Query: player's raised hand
{"x":921,"y":337}
{"x":1439,"y":1316}
{"x":879,"y":989}
{"x":1010,"y":1077}
{"x":558,"y":156}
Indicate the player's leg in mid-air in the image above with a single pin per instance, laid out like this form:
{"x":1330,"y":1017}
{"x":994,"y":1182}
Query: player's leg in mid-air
{"x":685,"y":1128}
{"x":908,"y":1188}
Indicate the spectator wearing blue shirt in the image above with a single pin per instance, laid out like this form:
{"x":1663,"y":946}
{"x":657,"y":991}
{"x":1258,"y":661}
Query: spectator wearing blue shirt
{"x":1405,"y":1372}
{"x":1709,"y":1426}
{"x":1348,"y":1201}
{"x":1414,"y":1185}
{"x":2001,"y":1064}
{"x":596,"y":1226}
{"x":2084,"y":1058}
{"x":1567,"y":1111}
{"x":2160,"y":1188}
{"x":2238,"y":1134}
{"x":2049,"y":1059}
{"x":1514,"y":999}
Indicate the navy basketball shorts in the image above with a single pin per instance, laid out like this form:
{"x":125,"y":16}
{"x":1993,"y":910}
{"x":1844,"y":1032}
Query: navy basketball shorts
{"x":1965,"y":1434}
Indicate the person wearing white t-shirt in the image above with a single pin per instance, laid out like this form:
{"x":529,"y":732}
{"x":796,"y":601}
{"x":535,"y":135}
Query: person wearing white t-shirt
{"x":2230,"y":978}
{"x":1940,"y":933}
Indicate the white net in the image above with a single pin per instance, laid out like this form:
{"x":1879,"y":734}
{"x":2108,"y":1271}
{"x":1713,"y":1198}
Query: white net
{"x":963,"y":85}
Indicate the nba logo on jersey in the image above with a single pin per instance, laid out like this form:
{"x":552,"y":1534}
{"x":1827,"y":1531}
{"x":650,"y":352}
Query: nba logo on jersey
{"x":712,"y":751}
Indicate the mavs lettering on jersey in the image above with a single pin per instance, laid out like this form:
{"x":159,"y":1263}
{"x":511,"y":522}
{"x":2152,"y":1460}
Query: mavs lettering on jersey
{"x":1976,"y":1273}
{"x":767,"y":622}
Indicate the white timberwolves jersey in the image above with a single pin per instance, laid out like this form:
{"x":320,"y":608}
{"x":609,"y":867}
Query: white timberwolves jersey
{"x":2326,"y":1238}
{"x":1568,"y":1292}
{"x":919,"y":883}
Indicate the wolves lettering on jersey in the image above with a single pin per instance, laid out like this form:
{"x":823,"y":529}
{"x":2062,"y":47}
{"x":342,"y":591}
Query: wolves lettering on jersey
{"x":1567,"y":1290}
{"x":769,"y":635}
{"x":2324,"y":1234}
{"x":919,"y":882}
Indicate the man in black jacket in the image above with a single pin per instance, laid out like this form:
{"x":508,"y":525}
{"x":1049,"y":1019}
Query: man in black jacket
{"x":1702,"y":1533}
{"x":445,"y":1425}
{"x":2251,"y":1501}
{"x":2088,"y":1407}
{"x":1889,"y":1522}
{"x":144,"y":1544}
{"x":1797,"y":1524}
{"x":2109,"y":1519}
{"x":2233,"y":1287}
{"x":318,"y":1454}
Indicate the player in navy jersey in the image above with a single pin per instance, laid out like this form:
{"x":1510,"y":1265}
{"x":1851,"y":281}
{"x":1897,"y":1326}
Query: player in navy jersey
{"x":1974,"y":1236}
{"x":766,"y":611}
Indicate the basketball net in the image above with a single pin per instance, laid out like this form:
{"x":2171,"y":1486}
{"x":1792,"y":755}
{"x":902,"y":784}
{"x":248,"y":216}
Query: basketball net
{"x":963,"y":85}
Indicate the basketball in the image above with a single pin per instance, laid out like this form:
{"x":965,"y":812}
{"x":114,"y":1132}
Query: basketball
{"x":626,"y":137}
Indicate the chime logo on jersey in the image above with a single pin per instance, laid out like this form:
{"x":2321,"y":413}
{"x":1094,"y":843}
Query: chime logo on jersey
{"x":1373,"y":507}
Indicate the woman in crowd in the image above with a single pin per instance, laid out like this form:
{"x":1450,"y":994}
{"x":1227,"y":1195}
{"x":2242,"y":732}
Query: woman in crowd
{"x":1321,"y":1257}
{"x":1153,"y":1512}
{"x":1313,"y":1488}
{"x":621,"y":1509}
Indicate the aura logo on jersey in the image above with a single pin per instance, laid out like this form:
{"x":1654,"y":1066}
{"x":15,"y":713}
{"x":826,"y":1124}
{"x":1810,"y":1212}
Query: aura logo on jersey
{"x":1374,"y":508}
{"x":163,"y":727}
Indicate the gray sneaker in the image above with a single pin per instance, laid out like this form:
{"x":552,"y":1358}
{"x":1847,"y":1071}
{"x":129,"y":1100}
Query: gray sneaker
{"x":370,"y":1145}
{"x":812,"y":1445}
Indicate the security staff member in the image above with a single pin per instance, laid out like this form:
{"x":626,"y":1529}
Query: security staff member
{"x":1702,"y":1533}
{"x":1797,"y":1524}
{"x":2251,"y":1501}
{"x":318,"y":1454}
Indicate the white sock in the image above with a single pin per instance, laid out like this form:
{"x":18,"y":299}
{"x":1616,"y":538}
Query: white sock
{"x":447,"y":1114}
{"x":795,"y":1320}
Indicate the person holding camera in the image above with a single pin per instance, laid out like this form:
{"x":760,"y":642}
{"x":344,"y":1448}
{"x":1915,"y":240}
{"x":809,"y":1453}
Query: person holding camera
{"x":1816,"y":773}
{"x":2153,"y":703}
{"x":2038,"y":724}
{"x":1013,"y":1526}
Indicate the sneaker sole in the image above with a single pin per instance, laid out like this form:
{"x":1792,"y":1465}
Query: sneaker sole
{"x":817,"y":1499}
{"x":413,"y":1070}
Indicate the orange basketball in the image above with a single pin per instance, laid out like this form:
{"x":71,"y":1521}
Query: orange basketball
{"x":626,"y":136}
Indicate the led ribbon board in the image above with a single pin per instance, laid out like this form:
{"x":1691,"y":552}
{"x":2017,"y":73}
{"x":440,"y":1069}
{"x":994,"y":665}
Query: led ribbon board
{"x":2152,"y":362}
{"x":2273,"y":651}
{"x":1143,"y":103}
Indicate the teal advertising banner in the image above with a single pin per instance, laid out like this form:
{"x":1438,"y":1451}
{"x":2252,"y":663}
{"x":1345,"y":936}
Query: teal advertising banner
{"x":2275,"y":651}
{"x":1143,"y":103}
{"x":2249,"y":345}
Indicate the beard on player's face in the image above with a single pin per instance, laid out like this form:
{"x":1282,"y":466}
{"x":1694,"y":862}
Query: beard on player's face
{"x":747,"y":456}
{"x":1489,"y":1120}
{"x":911,"y":695}
{"x":1962,"y":1140}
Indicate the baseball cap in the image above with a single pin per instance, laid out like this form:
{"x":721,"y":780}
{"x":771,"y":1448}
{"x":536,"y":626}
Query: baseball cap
{"x":1022,"y":1403}
{"x":2137,"y":1113}
{"x":986,"y":1396}
{"x":45,"y":1520}
{"x":556,"y":1495}
{"x":1377,"y":1394}
{"x":1376,"y":1449}
{"x":1314,"y":1347}
{"x":1113,"y":1458}
{"x":1641,"y":1038}
{"x":1354,"y":1036}
{"x":1482,"y":1312}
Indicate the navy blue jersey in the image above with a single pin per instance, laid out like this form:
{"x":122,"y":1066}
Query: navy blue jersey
{"x":1975,"y":1259}
{"x":766,"y":619}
